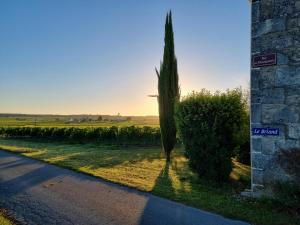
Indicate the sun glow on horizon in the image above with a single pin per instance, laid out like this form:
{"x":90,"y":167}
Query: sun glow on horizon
{"x":97,"y":58}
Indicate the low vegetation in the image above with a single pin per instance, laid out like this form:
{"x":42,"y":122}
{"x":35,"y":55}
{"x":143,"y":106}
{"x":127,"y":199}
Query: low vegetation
{"x":288,"y":192}
{"x":117,"y":135}
{"x":146,"y":169}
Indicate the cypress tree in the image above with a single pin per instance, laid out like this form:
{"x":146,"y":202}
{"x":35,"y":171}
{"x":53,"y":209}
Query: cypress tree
{"x":168,"y":90}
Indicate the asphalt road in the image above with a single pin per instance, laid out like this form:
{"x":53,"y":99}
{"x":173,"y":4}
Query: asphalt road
{"x":44,"y":194}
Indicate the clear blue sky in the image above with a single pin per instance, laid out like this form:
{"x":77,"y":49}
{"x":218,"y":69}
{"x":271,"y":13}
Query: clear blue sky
{"x":98,"y":57}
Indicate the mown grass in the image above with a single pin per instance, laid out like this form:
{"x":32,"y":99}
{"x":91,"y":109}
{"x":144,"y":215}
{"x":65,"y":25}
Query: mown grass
{"x":3,"y":219}
{"x":145,"y":169}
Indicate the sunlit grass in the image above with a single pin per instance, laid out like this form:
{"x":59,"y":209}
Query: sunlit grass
{"x":145,"y":169}
{"x":4,"y":220}
{"x":50,"y":121}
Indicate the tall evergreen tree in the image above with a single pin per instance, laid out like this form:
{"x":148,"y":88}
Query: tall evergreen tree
{"x":168,"y":90}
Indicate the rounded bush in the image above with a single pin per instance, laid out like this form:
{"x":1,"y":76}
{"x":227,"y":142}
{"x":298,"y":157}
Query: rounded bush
{"x":207,"y":124}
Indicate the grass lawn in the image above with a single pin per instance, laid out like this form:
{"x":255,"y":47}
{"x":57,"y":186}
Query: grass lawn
{"x":145,"y":169}
{"x":3,"y":219}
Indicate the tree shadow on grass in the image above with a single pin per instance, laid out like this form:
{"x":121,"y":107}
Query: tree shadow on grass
{"x":163,"y":183}
{"x":93,"y":156}
{"x":153,"y":210}
{"x":159,"y":211}
{"x":101,"y":157}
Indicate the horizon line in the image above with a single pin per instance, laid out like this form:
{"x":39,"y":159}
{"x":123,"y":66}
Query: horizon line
{"x":57,"y":114}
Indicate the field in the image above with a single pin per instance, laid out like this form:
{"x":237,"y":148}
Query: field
{"x":145,"y":169}
{"x":20,"y":120}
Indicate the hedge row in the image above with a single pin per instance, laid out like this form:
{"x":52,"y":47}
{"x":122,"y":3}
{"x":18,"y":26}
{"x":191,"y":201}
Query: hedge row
{"x":122,"y":135}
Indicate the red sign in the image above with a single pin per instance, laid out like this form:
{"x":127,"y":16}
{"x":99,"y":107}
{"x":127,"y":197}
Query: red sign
{"x":264,"y":60}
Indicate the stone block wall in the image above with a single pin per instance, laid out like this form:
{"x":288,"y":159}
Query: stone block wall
{"x":275,"y":88}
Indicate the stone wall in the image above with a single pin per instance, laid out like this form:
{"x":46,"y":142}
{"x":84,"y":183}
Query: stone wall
{"x":275,"y":88}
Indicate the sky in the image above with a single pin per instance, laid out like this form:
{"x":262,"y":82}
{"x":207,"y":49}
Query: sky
{"x":99,"y":56}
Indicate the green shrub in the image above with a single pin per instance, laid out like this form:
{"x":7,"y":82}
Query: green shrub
{"x":289,"y":160}
{"x":288,"y":194}
{"x":207,"y":125}
{"x":242,"y":138}
{"x":242,"y":153}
